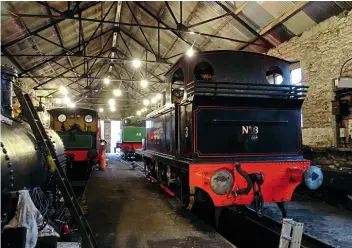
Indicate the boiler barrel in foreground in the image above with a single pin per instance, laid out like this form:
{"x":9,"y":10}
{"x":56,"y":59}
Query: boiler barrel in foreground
{"x":22,"y":163}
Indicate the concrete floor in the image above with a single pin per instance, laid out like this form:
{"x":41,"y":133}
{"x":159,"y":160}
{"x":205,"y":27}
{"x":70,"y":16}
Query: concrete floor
{"x":126,"y":210}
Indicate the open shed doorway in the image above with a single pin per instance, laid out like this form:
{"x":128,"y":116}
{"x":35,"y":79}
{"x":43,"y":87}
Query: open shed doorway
{"x":111,"y":133}
{"x":115,"y":135}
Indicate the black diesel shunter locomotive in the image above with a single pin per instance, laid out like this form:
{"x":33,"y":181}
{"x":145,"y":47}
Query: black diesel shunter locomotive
{"x":229,"y":131}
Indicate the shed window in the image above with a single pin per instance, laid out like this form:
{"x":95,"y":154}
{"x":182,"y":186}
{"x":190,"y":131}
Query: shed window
{"x":296,"y":76}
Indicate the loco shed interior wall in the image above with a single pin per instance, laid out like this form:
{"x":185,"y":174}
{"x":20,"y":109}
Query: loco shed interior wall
{"x":321,"y":51}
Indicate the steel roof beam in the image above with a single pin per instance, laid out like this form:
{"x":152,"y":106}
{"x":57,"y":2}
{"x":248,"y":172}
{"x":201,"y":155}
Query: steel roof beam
{"x":77,"y":77}
{"x":106,"y":43}
{"x":58,"y":55}
{"x":145,"y":37}
{"x":100,"y":24}
{"x":31,"y":33}
{"x":175,"y":32}
{"x":284,"y":17}
{"x":61,"y":74}
{"x":208,"y":20}
{"x":171,"y":12}
{"x":243,"y":23}
{"x":58,"y":34}
{"x":70,"y":17}
{"x":159,"y":59}
{"x":46,"y":5}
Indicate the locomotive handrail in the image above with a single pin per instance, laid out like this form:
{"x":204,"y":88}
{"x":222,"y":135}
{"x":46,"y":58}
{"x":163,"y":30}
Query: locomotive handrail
{"x":159,"y":112}
{"x":235,"y":89}
{"x":300,"y":89}
{"x":249,"y":85}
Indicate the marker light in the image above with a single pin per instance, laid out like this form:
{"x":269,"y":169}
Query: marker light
{"x":158,"y":96}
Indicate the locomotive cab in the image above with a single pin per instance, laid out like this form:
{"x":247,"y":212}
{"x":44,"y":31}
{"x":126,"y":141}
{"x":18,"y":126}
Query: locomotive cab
{"x":236,"y":129}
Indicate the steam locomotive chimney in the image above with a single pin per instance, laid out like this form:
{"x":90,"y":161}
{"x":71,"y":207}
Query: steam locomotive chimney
{"x":8,"y":77}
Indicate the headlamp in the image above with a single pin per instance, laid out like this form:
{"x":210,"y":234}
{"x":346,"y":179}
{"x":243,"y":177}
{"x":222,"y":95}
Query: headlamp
{"x":221,"y":182}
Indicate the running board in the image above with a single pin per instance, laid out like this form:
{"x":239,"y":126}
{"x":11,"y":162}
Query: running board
{"x":166,"y":189}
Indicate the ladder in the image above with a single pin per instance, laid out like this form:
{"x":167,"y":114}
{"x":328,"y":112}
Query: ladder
{"x":291,"y":234}
{"x":48,"y":150}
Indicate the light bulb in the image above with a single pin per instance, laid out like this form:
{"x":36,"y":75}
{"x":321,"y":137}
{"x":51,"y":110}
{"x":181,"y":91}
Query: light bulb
{"x":101,"y":110}
{"x":158,"y":96}
{"x":136,"y":63}
{"x":106,"y":80}
{"x":139,"y":112}
{"x":154,"y":100}
{"x":63,"y":90}
{"x":112,"y":109}
{"x":144,"y":83}
{"x":144,"y":110}
{"x":146,"y":102}
{"x":190,"y":52}
{"x":117,"y":92}
{"x":67,"y":100}
{"x":111,"y":102}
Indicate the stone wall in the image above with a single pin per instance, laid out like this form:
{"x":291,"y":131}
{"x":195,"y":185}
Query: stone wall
{"x":107,"y":135}
{"x":321,"y":50}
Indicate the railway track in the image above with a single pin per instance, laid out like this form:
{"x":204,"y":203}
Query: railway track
{"x":273,"y":228}
{"x":267,"y":230}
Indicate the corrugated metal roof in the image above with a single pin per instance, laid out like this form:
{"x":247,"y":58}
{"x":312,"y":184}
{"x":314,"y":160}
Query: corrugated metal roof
{"x":260,"y":16}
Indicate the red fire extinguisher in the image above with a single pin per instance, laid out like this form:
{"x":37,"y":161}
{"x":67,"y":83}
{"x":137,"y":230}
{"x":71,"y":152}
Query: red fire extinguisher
{"x":102,"y":154}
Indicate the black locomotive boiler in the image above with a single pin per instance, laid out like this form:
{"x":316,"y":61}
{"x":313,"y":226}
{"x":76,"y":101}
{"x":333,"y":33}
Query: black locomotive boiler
{"x":23,"y":166}
{"x":229,"y":131}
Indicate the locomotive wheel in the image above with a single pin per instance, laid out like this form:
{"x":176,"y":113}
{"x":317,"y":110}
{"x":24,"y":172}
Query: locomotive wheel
{"x":156,"y":170}
{"x":147,"y":167}
{"x":168,"y":175}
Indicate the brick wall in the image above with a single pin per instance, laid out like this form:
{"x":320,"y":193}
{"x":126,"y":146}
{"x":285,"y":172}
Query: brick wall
{"x":321,"y":50}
